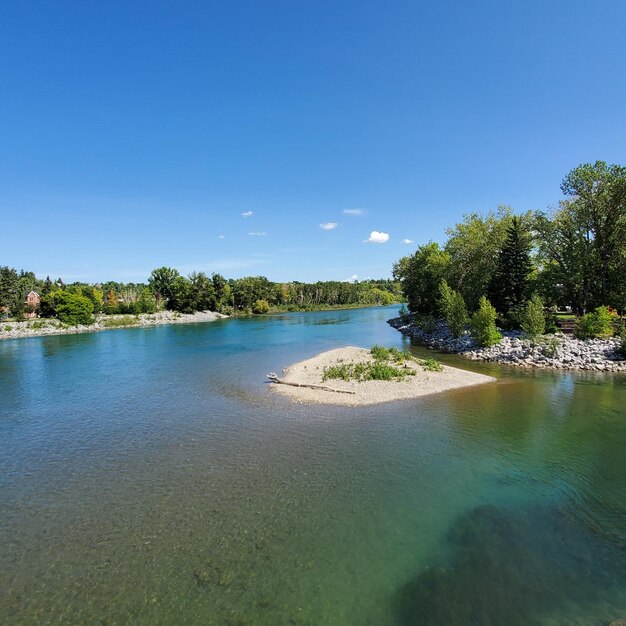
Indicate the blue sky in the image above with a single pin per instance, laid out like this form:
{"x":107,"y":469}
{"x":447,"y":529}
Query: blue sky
{"x":136,"y":134}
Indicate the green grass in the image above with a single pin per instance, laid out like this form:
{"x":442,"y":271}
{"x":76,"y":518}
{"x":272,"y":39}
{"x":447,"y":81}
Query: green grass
{"x":389,"y":364}
{"x":366,"y":371}
{"x":117,"y":322}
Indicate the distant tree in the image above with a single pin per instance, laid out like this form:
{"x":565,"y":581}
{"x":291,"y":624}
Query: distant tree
{"x":509,"y":282}
{"x":111,"y":301}
{"x":146,"y":303}
{"x":163,"y":282}
{"x":260,"y":307}
{"x":72,"y":308}
{"x":48,"y":286}
{"x":10,"y":295}
{"x":202,"y":294}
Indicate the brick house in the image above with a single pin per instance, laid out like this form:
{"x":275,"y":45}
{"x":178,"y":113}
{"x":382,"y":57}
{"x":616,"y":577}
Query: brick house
{"x":32,"y":304}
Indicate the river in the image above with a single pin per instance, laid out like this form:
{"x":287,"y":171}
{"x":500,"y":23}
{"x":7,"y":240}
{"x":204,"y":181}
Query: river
{"x":150,"y":476}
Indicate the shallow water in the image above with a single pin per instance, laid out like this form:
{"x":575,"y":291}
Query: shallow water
{"x":150,"y":476}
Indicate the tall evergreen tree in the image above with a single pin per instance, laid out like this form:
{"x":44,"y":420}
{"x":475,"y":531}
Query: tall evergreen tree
{"x":509,"y":283}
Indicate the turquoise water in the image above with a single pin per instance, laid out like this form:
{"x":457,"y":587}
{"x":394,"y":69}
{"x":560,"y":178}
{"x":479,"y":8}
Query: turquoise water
{"x":149,"y":476}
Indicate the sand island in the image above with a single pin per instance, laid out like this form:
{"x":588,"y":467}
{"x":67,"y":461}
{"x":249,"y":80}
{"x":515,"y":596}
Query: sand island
{"x":349,"y":372}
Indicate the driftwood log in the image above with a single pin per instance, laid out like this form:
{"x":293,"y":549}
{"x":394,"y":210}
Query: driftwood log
{"x":274,"y":379}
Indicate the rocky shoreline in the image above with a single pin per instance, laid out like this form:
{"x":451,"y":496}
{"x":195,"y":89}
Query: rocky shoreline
{"x":550,"y":351}
{"x":46,"y":326}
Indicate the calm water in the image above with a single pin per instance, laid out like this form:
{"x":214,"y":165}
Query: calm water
{"x":149,"y":476}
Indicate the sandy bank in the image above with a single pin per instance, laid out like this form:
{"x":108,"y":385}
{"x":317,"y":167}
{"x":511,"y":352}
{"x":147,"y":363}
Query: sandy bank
{"x":372,"y":391}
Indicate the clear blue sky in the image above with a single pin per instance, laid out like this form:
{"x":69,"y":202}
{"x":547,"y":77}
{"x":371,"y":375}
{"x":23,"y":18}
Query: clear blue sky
{"x":135,"y":134}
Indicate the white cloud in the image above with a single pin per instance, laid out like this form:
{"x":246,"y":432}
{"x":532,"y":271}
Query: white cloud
{"x":355,"y":212}
{"x":376,"y":237}
{"x":258,"y":234}
{"x":246,"y":214}
{"x":354,"y":277}
{"x":407,"y":241}
{"x":328,"y":225}
{"x":221,"y":236}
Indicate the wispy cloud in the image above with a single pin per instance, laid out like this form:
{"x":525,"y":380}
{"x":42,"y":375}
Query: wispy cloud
{"x":221,"y":236}
{"x":247,"y":213}
{"x":377,"y":237}
{"x":354,"y":212}
{"x":258,"y":234}
{"x":328,"y":225}
{"x":407,"y":241}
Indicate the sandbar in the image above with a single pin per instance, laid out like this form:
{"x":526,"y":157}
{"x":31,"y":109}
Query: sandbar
{"x":424,"y":383}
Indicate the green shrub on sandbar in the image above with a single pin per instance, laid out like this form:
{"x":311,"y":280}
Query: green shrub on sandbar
{"x":366,"y":371}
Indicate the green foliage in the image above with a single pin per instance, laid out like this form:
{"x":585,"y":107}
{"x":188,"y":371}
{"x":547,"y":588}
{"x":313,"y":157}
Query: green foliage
{"x":403,"y":312}
{"x":427,"y":323}
{"x":162,"y":281}
{"x":533,"y":318}
{"x":10,"y":291}
{"x":473,"y":247}
{"x":597,"y":324}
{"x":8,"y":327}
{"x":377,"y":370}
{"x":432,"y":365}
{"x":381,"y":353}
{"x":583,"y":243}
{"x":452,"y":307}
{"x":420,"y":276}
{"x":483,"y":324}
{"x":260,"y":307}
{"x":73,"y":309}
{"x":509,"y":281}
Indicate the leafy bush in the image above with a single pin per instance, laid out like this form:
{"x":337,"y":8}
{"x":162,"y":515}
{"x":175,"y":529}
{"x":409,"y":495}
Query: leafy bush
{"x":432,"y":365}
{"x":74,"y":309}
{"x":533,"y":318}
{"x":8,"y":327}
{"x":381,"y":353}
{"x":403,"y":312}
{"x":483,"y":324}
{"x":260,"y":307}
{"x":452,"y":307}
{"x":596,"y":324}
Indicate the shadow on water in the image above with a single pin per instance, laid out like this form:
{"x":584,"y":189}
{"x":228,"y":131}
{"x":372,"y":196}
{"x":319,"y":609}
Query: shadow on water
{"x":517,"y":567}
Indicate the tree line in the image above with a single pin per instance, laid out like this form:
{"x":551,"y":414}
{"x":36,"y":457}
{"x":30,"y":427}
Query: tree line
{"x":571,"y":256}
{"x":168,"y":289}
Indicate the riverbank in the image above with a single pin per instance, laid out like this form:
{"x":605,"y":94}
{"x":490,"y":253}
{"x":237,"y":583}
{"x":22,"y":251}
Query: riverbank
{"x":556,"y":351}
{"x":48,"y":326}
{"x":422,"y":383}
